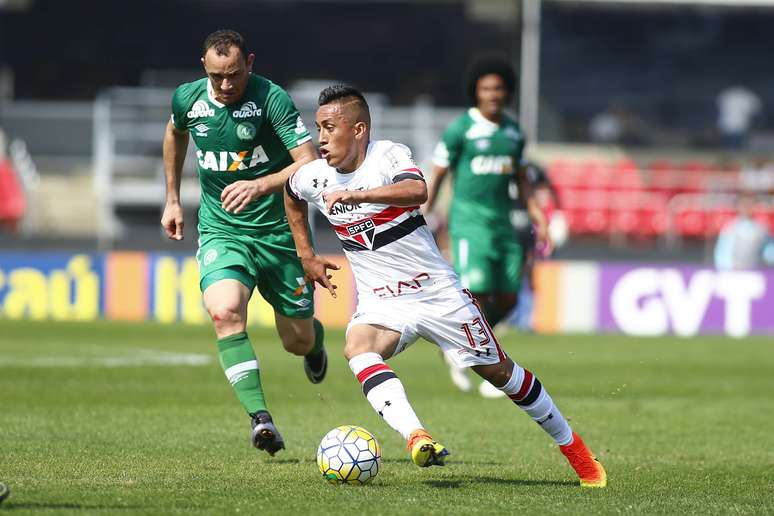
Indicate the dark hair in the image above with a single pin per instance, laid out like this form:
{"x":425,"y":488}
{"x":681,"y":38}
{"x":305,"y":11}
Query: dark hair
{"x":339,"y":92}
{"x":490,"y":64}
{"x":222,"y":40}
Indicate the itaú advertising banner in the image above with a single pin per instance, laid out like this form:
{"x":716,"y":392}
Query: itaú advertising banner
{"x":685,"y":301}
{"x":132,"y":286}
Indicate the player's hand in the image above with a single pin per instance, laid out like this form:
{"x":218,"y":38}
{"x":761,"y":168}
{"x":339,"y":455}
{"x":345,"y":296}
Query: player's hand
{"x":236,"y":196}
{"x":543,"y":243}
{"x":340,"y":197}
{"x":316,"y":270}
{"x":172,"y":220}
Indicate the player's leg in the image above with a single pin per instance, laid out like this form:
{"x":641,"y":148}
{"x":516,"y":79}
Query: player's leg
{"x":280,"y":280}
{"x":304,"y":337}
{"x":226,"y":295}
{"x":367,"y":347}
{"x":472,"y":260}
{"x":526,"y":391}
{"x":506,"y":273}
{"x":467,"y":339}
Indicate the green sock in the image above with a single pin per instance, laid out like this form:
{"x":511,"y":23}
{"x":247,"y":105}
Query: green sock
{"x":319,"y":337}
{"x":241,"y":367}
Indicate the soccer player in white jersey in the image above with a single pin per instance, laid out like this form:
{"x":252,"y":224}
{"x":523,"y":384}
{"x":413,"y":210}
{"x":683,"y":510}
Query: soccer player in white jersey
{"x":371,"y":192}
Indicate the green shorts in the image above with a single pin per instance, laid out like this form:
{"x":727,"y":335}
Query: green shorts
{"x":488,"y":263}
{"x":268,"y":262}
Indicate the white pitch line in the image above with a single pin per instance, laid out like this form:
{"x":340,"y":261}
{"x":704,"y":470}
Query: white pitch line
{"x":145,"y":358}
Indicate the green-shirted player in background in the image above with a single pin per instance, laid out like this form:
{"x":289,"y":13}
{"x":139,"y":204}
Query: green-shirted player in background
{"x":249,"y":138}
{"x":482,"y":149}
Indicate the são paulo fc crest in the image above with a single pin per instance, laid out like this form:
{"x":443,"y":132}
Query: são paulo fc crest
{"x":245,"y":131}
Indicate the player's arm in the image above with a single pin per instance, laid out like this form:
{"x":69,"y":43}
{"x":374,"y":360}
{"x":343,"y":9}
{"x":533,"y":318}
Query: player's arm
{"x":405,"y":193}
{"x":236,"y":196}
{"x":439,"y":174}
{"x":315,"y":266}
{"x":537,"y":216}
{"x":174,"y":148}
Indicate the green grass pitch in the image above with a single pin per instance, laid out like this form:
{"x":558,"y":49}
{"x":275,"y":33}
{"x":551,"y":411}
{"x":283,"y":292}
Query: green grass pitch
{"x":139,"y":419}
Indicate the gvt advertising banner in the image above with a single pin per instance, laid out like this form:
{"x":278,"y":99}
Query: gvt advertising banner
{"x":685,"y":301}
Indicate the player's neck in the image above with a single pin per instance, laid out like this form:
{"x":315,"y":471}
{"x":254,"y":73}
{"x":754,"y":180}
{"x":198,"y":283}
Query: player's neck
{"x":354,"y":164}
{"x":492,"y":117}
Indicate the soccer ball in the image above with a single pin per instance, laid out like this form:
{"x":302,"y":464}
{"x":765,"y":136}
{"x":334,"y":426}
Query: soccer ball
{"x":349,"y":454}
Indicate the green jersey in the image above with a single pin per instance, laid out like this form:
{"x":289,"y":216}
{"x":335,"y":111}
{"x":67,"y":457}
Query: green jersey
{"x":245,"y":140}
{"x":483,"y":157}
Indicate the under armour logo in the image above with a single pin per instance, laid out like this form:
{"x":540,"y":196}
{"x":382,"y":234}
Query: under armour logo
{"x":315,"y":181}
{"x":386,"y":404}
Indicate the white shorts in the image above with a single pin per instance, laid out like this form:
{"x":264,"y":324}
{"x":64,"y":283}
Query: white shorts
{"x":450,"y":318}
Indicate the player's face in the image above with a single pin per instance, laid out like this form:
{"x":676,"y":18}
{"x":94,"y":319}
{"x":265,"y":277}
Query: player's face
{"x":228,"y":74}
{"x":337,"y":138}
{"x":491,"y":95}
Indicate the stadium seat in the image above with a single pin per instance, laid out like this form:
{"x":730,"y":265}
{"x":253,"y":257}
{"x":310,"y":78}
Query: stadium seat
{"x":626,"y":175}
{"x":653,"y":217}
{"x":718,"y":218}
{"x":12,"y":200}
{"x":564,"y":174}
{"x":596,"y":174}
{"x":661,"y":176}
{"x":691,"y":222}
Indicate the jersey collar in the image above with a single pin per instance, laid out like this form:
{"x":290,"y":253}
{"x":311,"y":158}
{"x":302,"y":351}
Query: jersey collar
{"x":211,"y":95}
{"x":478,"y":118}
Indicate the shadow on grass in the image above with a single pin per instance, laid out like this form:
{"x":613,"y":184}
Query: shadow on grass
{"x":466,"y":481}
{"x":10,"y":506}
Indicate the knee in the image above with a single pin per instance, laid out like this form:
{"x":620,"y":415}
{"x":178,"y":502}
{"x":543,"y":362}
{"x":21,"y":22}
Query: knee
{"x":297,"y":344}
{"x":226,"y":317}
{"x":500,"y":377}
{"x":496,"y":374}
{"x":355,"y":348}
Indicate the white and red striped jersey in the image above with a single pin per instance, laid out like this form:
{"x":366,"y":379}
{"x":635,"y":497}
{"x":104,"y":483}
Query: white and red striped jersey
{"x":391,"y":250}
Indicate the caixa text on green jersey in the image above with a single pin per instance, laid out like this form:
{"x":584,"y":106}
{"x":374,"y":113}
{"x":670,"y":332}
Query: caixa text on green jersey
{"x":228,"y":161}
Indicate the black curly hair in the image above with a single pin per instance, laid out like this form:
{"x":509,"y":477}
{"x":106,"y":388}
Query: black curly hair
{"x":490,"y":64}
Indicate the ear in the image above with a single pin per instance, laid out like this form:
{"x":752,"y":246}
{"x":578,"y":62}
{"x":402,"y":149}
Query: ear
{"x":361,"y":129}
{"x":203,"y":66}
{"x":250,"y":61}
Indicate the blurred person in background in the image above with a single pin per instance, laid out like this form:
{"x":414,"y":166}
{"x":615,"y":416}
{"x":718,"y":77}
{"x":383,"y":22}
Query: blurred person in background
{"x":547,"y":199}
{"x":737,"y":106}
{"x":744,"y":243}
{"x":482,"y":149}
{"x":249,"y":138}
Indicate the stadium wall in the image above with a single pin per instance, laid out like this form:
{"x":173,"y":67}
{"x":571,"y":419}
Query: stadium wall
{"x":573,"y":297}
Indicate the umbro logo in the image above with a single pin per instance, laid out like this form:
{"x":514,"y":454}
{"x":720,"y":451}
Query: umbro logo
{"x":201,"y":129}
{"x":315,"y":183}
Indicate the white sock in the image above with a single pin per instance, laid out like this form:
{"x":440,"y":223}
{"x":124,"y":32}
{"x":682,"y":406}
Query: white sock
{"x":526,"y":391}
{"x":384,"y":391}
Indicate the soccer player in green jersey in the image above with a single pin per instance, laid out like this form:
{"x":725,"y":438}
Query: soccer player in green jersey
{"x":482,"y":149}
{"x":249,"y":138}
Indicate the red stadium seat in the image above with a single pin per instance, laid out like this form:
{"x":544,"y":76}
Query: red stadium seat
{"x":691,"y":222}
{"x":661,"y":176}
{"x":12,"y":201}
{"x":564,"y":174}
{"x":719,"y":217}
{"x":653,"y":220}
{"x":626,"y":175}
{"x":596,"y":218}
{"x":597,"y":174}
